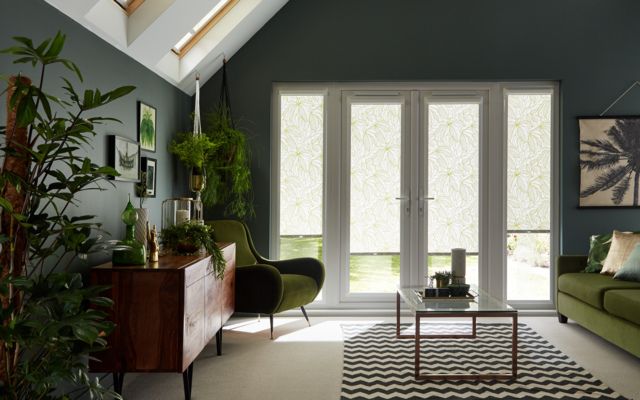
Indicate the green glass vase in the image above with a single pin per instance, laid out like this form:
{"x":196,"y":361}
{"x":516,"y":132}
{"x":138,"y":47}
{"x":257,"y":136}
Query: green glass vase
{"x":129,"y":251}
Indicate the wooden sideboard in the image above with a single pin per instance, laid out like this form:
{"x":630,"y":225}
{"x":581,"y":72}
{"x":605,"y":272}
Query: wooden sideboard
{"x":165,"y":313}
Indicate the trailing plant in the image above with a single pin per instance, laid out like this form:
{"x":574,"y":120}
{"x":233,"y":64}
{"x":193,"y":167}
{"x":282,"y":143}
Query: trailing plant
{"x":222,"y":153}
{"x":228,"y":169}
{"x":189,"y":237}
{"x":51,"y":323}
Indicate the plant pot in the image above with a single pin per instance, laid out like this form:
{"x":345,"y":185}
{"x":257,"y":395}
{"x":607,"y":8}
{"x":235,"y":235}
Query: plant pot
{"x":141,"y":225}
{"x":197,"y":179}
{"x":187,"y":248}
{"x":442,"y":283}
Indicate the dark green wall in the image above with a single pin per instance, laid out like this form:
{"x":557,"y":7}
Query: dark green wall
{"x":103,"y":67}
{"x":591,"y":46}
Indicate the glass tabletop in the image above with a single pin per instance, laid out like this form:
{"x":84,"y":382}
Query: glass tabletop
{"x":481,"y":302}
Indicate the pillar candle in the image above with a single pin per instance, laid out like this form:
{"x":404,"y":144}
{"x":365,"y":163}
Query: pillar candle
{"x":458,"y":265}
{"x":182,"y":216}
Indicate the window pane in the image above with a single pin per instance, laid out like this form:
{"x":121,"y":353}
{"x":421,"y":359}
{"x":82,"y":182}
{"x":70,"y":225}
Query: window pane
{"x":374,"y":262}
{"x":301,"y":175}
{"x":528,"y":196}
{"x":453,"y":173}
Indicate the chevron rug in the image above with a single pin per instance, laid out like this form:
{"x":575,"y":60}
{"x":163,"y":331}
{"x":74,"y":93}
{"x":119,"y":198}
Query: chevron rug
{"x":379,"y":366}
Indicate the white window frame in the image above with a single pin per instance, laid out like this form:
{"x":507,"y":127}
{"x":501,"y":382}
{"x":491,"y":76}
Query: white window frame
{"x":551,"y":88}
{"x":492,"y":234}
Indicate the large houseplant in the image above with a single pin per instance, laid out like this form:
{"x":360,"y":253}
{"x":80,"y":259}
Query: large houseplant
{"x":51,"y":322}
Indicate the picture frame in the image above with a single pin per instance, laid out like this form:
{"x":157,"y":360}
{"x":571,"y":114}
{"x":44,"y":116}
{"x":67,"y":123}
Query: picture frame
{"x":149,"y":166}
{"x":607,"y":176}
{"x":124,"y":156}
{"x":147,"y":126}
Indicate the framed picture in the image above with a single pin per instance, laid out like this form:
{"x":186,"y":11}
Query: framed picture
{"x":609,"y":148}
{"x":124,"y":156}
{"x":147,"y":127}
{"x":150,"y":166}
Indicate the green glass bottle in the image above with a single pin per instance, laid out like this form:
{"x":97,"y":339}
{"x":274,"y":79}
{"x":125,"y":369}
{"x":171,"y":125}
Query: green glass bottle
{"x":132,"y":251}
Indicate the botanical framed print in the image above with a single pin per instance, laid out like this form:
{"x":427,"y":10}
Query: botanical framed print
{"x":150,"y":167}
{"x":609,"y":172}
{"x":147,"y":126}
{"x":124,"y":157}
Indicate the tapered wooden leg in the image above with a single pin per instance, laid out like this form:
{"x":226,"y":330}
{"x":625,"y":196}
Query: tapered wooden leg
{"x":219,"y":342}
{"x":118,"y":381}
{"x":304,"y":312}
{"x":187,"y":380}
{"x":271,"y":323}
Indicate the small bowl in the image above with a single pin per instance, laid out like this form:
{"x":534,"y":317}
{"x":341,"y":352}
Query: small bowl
{"x":459,"y":290}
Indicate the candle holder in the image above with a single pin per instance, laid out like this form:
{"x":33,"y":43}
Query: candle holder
{"x":180,"y":210}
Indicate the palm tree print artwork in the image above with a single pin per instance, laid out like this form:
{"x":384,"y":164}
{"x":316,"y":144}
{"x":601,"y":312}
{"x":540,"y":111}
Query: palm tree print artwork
{"x":609,"y":161}
{"x":146,"y":127}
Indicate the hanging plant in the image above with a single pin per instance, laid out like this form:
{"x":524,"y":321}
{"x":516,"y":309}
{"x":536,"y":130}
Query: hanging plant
{"x":221,"y":154}
{"x":193,"y":150}
{"x":228,"y":169}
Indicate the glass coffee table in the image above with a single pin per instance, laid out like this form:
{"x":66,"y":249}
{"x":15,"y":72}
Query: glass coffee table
{"x":482,"y":305}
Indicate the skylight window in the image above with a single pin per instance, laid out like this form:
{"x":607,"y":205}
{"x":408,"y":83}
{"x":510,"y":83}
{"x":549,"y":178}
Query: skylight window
{"x":203,"y":26}
{"x":129,"y":6}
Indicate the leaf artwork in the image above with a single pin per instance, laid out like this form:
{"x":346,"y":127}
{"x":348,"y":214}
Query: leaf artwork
{"x":610,"y":161}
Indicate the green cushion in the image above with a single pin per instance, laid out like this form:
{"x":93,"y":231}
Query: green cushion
{"x":624,"y":304}
{"x":298,"y":291}
{"x":233,"y":231}
{"x":590,"y":288}
{"x":598,"y":249}
{"x":630,"y":270}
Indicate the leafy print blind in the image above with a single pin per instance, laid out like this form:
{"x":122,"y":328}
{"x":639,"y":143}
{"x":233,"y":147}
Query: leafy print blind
{"x":529,"y":162}
{"x":301,"y":159}
{"x":375,"y":178}
{"x":453,"y":166}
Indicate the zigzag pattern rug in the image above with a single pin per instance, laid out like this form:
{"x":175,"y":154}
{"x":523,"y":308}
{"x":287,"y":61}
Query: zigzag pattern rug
{"x":379,"y":366}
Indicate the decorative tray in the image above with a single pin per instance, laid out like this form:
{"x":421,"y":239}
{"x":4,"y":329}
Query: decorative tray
{"x":469,"y":297}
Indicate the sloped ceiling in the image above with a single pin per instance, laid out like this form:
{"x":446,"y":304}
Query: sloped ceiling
{"x":149,"y":33}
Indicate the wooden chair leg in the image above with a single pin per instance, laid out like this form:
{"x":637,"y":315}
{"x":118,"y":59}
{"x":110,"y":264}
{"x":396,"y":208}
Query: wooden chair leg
{"x":271,"y":323}
{"x":304,"y":312}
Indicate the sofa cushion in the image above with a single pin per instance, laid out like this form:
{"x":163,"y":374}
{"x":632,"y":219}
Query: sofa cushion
{"x":622,"y":244}
{"x":590,"y":288}
{"x":624,"y":304}
{"x":598,"y":249}
{"x":630,"y":270}
{"x":298,"y":291}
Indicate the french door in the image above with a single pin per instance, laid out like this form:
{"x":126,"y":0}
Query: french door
{"x":382,"y":184}
{"x":411,"y":188}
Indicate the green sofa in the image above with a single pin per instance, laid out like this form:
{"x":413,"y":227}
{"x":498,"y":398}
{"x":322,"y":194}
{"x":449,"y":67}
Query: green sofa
{"x":609,"y":308}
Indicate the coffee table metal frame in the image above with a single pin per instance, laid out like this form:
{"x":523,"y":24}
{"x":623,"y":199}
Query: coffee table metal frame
{"x":420,"y":314}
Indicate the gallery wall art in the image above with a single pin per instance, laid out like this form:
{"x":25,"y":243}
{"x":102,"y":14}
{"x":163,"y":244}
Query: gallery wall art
{"x":609,"y":161}
{"x":124,"y":157}
{"x":147,"y":126}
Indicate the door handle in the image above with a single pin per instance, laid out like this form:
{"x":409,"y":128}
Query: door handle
{"x":407,"y":209}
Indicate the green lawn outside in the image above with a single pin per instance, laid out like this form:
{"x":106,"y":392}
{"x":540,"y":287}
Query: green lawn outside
{"x":381,"y":273}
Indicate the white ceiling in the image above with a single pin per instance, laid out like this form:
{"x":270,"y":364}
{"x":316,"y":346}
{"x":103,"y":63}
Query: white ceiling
{"x":156,"y":26}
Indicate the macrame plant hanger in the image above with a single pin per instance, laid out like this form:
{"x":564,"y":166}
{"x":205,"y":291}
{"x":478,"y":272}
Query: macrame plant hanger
{"x":198,"y":177}
{"x":225,"y":101}
{"x":634,"y":84}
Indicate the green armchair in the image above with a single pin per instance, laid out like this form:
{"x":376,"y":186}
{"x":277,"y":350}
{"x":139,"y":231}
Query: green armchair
{"x":268,"y":286}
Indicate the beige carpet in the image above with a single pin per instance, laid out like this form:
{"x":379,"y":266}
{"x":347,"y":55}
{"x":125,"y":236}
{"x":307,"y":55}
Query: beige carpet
{"x":306,"y":362}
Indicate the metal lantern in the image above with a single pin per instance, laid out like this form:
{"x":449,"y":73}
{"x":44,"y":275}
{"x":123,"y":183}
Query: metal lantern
{"x":181,"y":210}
